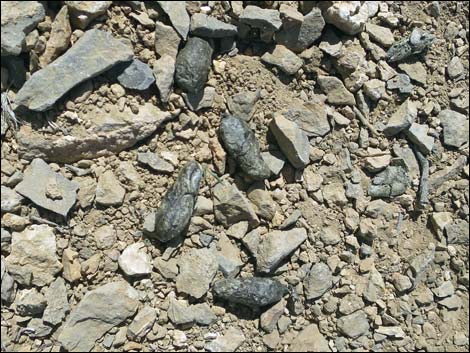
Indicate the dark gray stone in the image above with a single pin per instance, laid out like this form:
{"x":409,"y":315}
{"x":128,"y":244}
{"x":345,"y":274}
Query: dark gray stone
{"x":242,"y":145}
{"x":253,"y":292}
{"x":210,"y":27}
{"x":416,"y":43}
{"x":392,"y":181}
{"x":137,"y":75}
{"x":193,"y":65}
{"x":174,"y":214}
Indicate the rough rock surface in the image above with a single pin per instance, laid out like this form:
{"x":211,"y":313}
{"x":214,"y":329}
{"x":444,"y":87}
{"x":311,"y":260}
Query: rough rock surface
{"x":178,"y":15}
{"x":134,"y":261}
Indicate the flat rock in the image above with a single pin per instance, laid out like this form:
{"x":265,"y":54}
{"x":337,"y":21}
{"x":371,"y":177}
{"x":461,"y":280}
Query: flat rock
{"x":242,"y":105}
{"x":309,"y":340}
{"x":202,"y":99}
{"x":167,"y":40}
{"x":318,"y":281}
{"x":105,"y":237}
{"x":33,"y":259}
{"x":457,"y":232}
{"x":135,"y":261}
{"x":11,"y":200}
{"x":284,"y":59}
{"x":59,"y":38}
{"x":416,"y":71}
{"x":83,"y":12}
{"x":180,"y":313}
{"x":57,"y":304}
{"x":401,"y":82}
{"x":179,"y":18}
{"x":350,"y":304}
{"x":455,"y":68}
{"x":18,"y":19}
{"x":266,"y":207}
{"x":353,"y":325}
{"x":252,"y":292}
{"x":446,"y":289}
{"x":267,"y":21}
{"x":29,"y":302}
{"x":48,"y":189}
{"x":229,"y":342}
{"x":336,"y":93}
{"x":270,"y":317}
{"x":402,"y":118}
{"x":207,"y":26}
{"x":137,"y":75}
{"x":8,"y":289}
{"x":110,"y":133}
{"x":381,"y":35}
{"x":142,"y":323}
{"x":71,"y":266}
{"x":164,"y":71}
{"x":109,"y":191}
{"x":197,"y":269}
{"x":100,"y":310}
{"x":374,"y":89}
{"x":348,"y":16}
{"x":155,"y":162}
{"x":456,"y":127}
{"x":47,"y":85}
{"x":275,"y":161}
{"x":228,"y":257}
{"x":276,"y":246}
{"x":292,"y":141}
{"x":391,"y":182}
{"x":418,"y":134}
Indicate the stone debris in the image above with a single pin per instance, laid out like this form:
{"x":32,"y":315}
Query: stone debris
{"x":57,"y":303}
{"x":284,"y":59}
{"x":11,"y":200}
{"x":155,"y":162}
{"x":318,"y":281}
{"x":267,"y":21}
{"x":210,"y":27}
{"x":167,"y":41}
{"x":59,"y":40}
{"x":179,"y":18}
{"x":402,"y":118}
{"x":456,"y":127}
{"x":136,"y":75}
{"x":243,"y":104}
{"x":164,"y":71}
{"x":336,"y":93}
{"x":134,"y":261}
{"x":29,"y":302}
{"x":309,"y":340}
{"x":416,"y":43}
{"x":109,"y":191}
{"x":229,"y":342}
{"x":82,"y":13}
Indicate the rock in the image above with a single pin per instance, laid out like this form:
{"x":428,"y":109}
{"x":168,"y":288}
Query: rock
{"x":210,"y":27}
{"x":456,"y":127}
{"x":390,"y":331}
{"x":180,"y":313}
{"x":155,"y":162}
{"x":418,"y":134}
{"x":83,"y":12}
{"x":175,"y":210}
{"x":38,"y":328}
{"x":136,"y":75}
{"x":402,"y":118}
{"x":39,"y":179}
{"x":164,"y":70}
{"x":105,"y":237}
{"x":416,"y":43}
{"x":374,"y":89}
{"x":455,"y":68}
{"x":59,"y":38}
{"x":229,"y":342}
{"x":452,"y":303}
{"x":376,"y":163}
{"x":318,"y":281}
{"x":336,"y":93}
{"x":29,"y":302}
{"x":275,"y":161}
{"x":331,"y":44}
{"x":266,"y":207}
{"x":354,"y":325}
{"x":168,"y":269}
{"x":301,"y":35}
{"x":310,"y":117}
{"x":100,"y":310}
{"x":142,"y":323}
{"x":401,"y":82}
{"x":350,"y":304}
{"x":228,"y":257}
{"x":276,"y":246}
{"x":309,"y":340}
{"x":446,"y":289}
{"x":252,"y":292}
{"x":457,"y":232}
{"x":110,"y":132}
{"x":251,"y":241}
{"x":267,"y":21}
{"x":203,"y":315}
{"x":292,"y":140}
{"x":402,"y":283}
{"x":109,"y":191}
{"x":202,"y":99}
{"x":375,"y":286}
{"x":334,"y":193}
{"x":86,"y":191}
{"x":219,"y":157}
{"x":284,"y":59}
{"x":167,"y":41}
{"x":179,"y":18}
{"x":47,"y":85}
{"x":242,"y":145}
{"x":197,"y":269}
{"x":381,"y":35}
{"x":193,"y":64}
{"x":330,"y":235}
{"x":416,"y":71}
{"x":203,"y":206}
{"x":231,"y":206}
{"x":33,"y":259}
{"x":18,"y":19}
{"x":71,"y":265}
{"x":135,"y":261}
{"x":8,"y":289}
{"x":57,"y":304}
{"x":349,"y":16}
{"x":270,"y":317}
{"x":11,"y":201}
{"x":242,"y":105}
{"x":391,"y":182}
{"x":15,"y":222}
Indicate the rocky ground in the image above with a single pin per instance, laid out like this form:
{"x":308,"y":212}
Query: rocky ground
{"x":234,"y":176}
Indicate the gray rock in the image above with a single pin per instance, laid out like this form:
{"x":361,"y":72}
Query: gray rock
{"x":48,"y":189}
{"x":416,"y":71}
{"x":164,"y":71}
{"x":310,"y":117}
{"x":168,"y":269}
{"x":402,"y":118}
{"x":330,"y":235}
{"x":8,"y":290}
{"x":275,"y":161}
{"x":18,"y":19}
{"x":210,"y":27}
{"x":11,"y":201}
{"x":375,"y":286}
{"x":105,"y":237}
{"x":155,"y":162}
{"x":251,"y":241}
{"x":391,"y":182}
{"x":174,"y":213}
{"x":276,"y":246}
{"x":202,"y":99}
{"x":135,"y":261}
{"x":354,"y":325}
{"x":59,"y":38}
{"x":284,"y":59}
{"x":178,"y":15}
{"x":193,"y":64}
{"x":457,"y":232}
{"x":180,"y":313}
{"x":57,"y":304}
{"x":401,"y":282}
{"x":197,"y":269}
{"x":243,"y":146}
{"x":38,"y":328}
{"x":95,"y":52}
{"x":446,"y":289}
{"x":83,"y":12}
{"x":109,"y":191}
{"x":137,"y":75}
{"x":100,"y":310}
{"x":336,"y":93}
{"x":29,"y":302}
{"x":331,"y":44}
{"x":292,"y":141}
{"x":418,"y":134}
{"x":455,"y":68}
{"x":456,"y":127}
{"x":381,"y":35}
{"x":167,"y":41}
{"x":318,"y":281}
{"x":242,"y":105}
{"x":350,"y":304}
{"x":142,"y":323}
{"x":266,"y":207}
{"x":401,"y":82}
{"x":309,"y":339}
{"x":270,"y":317}
{"x":229,"y":342}
{"x":267,"y":21}
{"x":203,"y":315}
{"x":374,"y":89}
{"x":231,"y":206}
{"x":252,"y":292}
{"x":228,"y":257}
{"x":416,"y":43}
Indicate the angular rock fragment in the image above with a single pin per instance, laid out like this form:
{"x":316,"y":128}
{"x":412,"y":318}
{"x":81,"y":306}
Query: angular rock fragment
{"x":252,"y":292}
{"x":109,"y":191}
{"x":416,"y":43}
{"x":284,"y":59}
{"x":179,"y":18}
{"x":83,"y":12}
{"x":229,"y":342}
{"x":456,"y":127}
{"x":29,"y":302}
{"x":155,"y":162}
{"x":381,"y":35}
{"x":135,"y":261}
{"x":242,"y":145}
{"x":142,"y":323}
{"x":167,"y":40}
{"x":354,"y":325}
{"x":11,"y":201}
{"x":200,"y":99}
{"x":164,"y":71}
{"x":267,"y":21}
{"x":228,"y":257}
{"x":310,"y":117}
{"x":8,"y":289}
{"x":59,"y":38}
{"x":242,"y":104}
{"x":336,"y":93}
{"x":318,"y":281}
{"x":418,"y":134}
{"x":95,"y":52}
{"x":402,"y":118}
{"x":57,"y":304}
{"x":391,"y":182}
{"x":457,"y":232}
{"x":71,"y":265}
{"x":349,"y":16}
{"x":174,"y":213}
{"x":137,"y":75}
{"x":193,"y":64}
{"x":207,"y":26}
{"x":309,"y":340}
